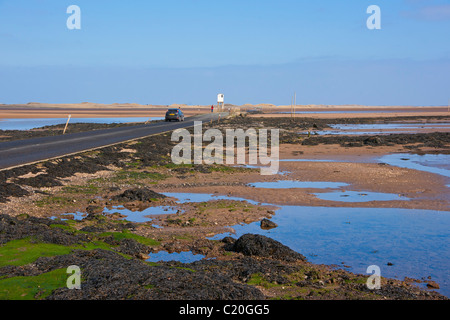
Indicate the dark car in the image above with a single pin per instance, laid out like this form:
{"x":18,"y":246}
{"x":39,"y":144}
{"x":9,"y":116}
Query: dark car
{"x":174,"y":114}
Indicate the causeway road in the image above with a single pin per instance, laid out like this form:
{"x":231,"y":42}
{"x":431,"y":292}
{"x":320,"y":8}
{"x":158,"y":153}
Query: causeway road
{"x":21,"y":152}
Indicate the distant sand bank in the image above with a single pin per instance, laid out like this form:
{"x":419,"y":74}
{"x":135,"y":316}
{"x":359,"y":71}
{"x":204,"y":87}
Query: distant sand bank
{"x":95,"y":110}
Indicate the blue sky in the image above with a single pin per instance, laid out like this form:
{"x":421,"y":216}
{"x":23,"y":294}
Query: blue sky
{"x":187,"y":51}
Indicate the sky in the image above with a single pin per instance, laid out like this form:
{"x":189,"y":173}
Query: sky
{"x":188,"y":51}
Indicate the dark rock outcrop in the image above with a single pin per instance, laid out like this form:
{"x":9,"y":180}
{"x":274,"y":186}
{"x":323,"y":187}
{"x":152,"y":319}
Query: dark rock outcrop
{"x":262,"y":246}
{"x":138,"y":194}
{"x":267,"y":224}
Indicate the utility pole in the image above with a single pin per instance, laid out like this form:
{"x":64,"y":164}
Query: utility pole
{"x":295,"y":102}
{"x":292,"y":106}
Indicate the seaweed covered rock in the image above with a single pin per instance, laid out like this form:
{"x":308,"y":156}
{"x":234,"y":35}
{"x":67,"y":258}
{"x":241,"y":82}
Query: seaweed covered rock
{"x":11,"y":190}
{"x":262,"y":246}
{"x":138,"y":194}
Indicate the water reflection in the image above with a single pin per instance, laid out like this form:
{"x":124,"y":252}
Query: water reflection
{"x":184,"y":256}
{"x":358,"y":196}
{"x":288,"y":184}
{"x":383,"y":128}
{"x":142,"y":215}
{"x":415,"y":242}
{"x":27,"y":124}
{"x":434,"y":163}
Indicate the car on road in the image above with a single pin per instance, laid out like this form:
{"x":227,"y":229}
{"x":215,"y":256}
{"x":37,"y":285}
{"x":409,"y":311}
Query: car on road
{"x":174,"y":114}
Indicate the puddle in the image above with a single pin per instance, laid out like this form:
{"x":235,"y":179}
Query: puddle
{"x":358,"y":196}
{"x":348,"y":111}
{"x":343,"y":195}
{"x":184,"y":256}
{"x":416,"y":242}
{"x":251,"y":166}
{"x":141,"y":216}
{"x":78,"y":216}
{"x":132,"y":216}
{"x":288,"y":184}
{"x":309,"y":160}
{"x":27,"y":124}
{"x":203,"y":197}
{"x":382,"y":128}
{"x":434,"y":163}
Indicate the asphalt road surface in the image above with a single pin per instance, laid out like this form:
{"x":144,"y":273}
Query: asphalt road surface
{"x":21,"y":152}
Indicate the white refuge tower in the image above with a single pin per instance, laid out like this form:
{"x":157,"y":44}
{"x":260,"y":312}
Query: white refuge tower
{"x":220,"y":102}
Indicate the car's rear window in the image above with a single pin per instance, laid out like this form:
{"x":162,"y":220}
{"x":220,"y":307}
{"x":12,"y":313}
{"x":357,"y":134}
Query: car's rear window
{"x":173,"y":110}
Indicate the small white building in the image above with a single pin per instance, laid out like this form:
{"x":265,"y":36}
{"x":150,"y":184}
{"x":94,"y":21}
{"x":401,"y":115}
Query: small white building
{"x":220,"y":102}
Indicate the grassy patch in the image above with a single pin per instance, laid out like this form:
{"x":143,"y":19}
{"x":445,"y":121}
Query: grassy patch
{"x":64,"y":227}
{"x":174,"y":166}
{"x":54,"y":201}
{"x":204,"y":207}
{"x":257,"y":279}
{"x":224,"y":169}
{"x":23,"y":251}
{"x":35,"y":287}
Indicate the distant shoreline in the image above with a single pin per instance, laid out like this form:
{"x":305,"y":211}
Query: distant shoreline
{"x":93,"y":110}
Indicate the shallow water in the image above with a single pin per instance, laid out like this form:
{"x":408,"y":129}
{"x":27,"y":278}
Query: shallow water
{"x":76,"y":216}
{"x":27,"y":124}
{"x":434,"y":163}
{"x":381,"y":128}
{"x":359,"y":196}
{"x":184,"y":256}
{"x":348,"y":111}
{"x":288,"y":184}
{"x":202,"y":197}
{"x":132,"y":216}
{"x":141,"y":216}
{"x":416,"y":242}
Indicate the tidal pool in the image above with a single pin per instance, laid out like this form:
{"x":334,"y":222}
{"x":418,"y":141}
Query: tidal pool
{"x":345,"y":111}
{"x":434,"y":163}
{"x":382,"y":128}
{"x":415,"y":242}
{"x":288,"y":184}
{"x":184,"y":256}
{"x":337,"y":195}
{"x":203,"y":197}
{"x":359,"y":196}
{"x":141,"y":216}
{"x":132,"y":216}
{"x":76,"y":216}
